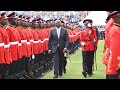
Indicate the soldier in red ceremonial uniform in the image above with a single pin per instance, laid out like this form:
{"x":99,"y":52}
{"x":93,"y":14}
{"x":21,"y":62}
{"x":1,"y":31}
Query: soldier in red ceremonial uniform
{"x":106,"y":51}
{"x":88,"y":42}
{"x":108,"y":26}
{"x":21,"y":29}
{"x":2,"y":59}
{"x":5,"y":57}
{"x":97,"y":35}
{"x":113,"y":64}
{"x":28,"y":45}
{"x":36,"y":41}
{"x":19,"y":47}
{"x":13,"y":41}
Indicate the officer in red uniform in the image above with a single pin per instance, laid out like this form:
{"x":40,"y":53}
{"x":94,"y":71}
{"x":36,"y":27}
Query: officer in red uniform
{"x":113,"y":65}
{"x":109,"y":24}
{"x":13,"y":41}
{"x":106,"y":51}
{"x":36,"y":41}
{"x":5,"y":57}
{"x":97,"y":35}
{"x":28,"y":46}
{"x":21,"y":29}
{"x":88,"y":42}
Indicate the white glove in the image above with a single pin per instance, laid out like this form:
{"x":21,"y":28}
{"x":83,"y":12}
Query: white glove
{"x":82,"y":43}
{"x":49,"y":51}
{"x":64,"y":50}
{"x":94,"y":40}
{"x":33,"y":56}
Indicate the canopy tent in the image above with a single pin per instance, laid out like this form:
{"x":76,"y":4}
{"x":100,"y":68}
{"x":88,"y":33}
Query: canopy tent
{"x":98,"y":17}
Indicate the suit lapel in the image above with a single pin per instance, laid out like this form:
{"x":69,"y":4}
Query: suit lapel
{"x":60,"y":32}
{"x":56,"y":33}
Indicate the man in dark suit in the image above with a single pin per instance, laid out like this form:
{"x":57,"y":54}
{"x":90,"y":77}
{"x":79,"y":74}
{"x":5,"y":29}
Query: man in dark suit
{"x":58,"y":44}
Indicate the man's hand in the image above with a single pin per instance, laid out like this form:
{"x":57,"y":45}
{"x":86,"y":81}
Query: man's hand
{"x":64,"y":50}
{"x":49,"y":51}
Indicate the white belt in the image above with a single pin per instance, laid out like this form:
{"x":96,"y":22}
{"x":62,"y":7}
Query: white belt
{"x":1,"y":44}
{"x":39,"y":40}
{"x":46,"y":39}
{"x":31,"y":40}
{"x":28,"y":43}
{"x":35,"y":41}
{"x":7,"y":46}
{"x":78,"y":32}
{"x":19,"y":44}
{"x":74,"y":35}
{"x":13,"y":43}
{"x":70,"y":35}
{"x":23,"y":41}
{"x":42,"y":41}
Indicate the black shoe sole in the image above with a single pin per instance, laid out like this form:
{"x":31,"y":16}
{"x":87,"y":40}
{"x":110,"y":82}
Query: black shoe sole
{"x":84,"y":74}
{"x":55,"y":77}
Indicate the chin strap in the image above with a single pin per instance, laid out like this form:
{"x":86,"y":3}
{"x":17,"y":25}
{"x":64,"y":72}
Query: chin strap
{"x":117,"y":24}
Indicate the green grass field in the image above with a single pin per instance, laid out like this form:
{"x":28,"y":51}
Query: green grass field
{"x":74,"y":68}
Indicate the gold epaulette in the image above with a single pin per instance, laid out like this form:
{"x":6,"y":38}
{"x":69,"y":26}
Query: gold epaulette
{"x":118,"y":25}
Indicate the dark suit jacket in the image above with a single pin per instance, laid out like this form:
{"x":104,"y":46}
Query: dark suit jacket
{"x":63,"y":40}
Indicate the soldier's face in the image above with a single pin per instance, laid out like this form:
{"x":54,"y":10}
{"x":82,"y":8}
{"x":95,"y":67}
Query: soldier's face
{"x":4,"y":22}
{"x":86,"y":24}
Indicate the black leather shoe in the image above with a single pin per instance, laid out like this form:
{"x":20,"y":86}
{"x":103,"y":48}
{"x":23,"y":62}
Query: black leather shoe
{"x":65,"y":71}
{"x":60,"y":75}
{"x":84,"y":74}
{"x":92,"y":74}
{"x":55,"y":77}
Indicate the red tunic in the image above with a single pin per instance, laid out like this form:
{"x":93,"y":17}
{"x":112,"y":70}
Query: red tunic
{"x":43,"y":38}
{"x":88,"y":37}
{"x":2,"y":53}
{"x":19,"y":44}
{"x":23,"y":41}
{"x":40,"y":47}
{"x":41,"y":41}
{"x":106,"y":43}
{"x":8,"y":57}
{"x":31,"y":39}
{"x":13,"y":42}
{"x":28,"y":43}
{"x":35,"y":44}
{"x":46,"y":38}
{"x":114,"y":46}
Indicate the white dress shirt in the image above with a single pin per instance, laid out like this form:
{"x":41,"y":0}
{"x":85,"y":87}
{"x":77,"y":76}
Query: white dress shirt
{"x":58,"y":32}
